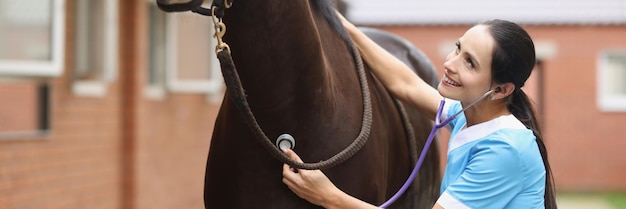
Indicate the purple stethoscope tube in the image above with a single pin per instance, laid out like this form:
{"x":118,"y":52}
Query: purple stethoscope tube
{"x":417,"y":167}
{"x":429,"y":141}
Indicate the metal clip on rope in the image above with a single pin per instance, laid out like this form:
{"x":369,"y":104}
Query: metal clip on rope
{"x":220,"y":30}
{"x":237,"y":95}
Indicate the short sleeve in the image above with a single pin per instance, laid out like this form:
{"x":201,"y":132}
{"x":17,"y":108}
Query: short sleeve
{"x":450,"y":108}
{"x":491,"y":179}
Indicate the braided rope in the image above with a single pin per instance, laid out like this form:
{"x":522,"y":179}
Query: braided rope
{"x":238,"y":96}
{"x":411,"y":138}
{"x":408,"y":130}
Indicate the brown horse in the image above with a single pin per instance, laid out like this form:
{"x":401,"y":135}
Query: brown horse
{"x":300,"y":78}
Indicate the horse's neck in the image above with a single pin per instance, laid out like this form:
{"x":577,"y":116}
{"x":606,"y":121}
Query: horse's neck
{"x":280,"y":49}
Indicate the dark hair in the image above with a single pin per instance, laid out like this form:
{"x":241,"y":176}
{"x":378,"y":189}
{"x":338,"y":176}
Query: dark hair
{"x":513,"y":61}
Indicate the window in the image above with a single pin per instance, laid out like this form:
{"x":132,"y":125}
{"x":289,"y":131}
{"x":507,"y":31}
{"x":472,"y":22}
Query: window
{"x":96,"y":46}
{"x":182,"y":53}
{"x":31,"y":41}
{"x":24,"y":109}
{"x":612,"y":81}
{"x":159,"y":48}
{"x":196,"y":68}
{"x":535,"y":85}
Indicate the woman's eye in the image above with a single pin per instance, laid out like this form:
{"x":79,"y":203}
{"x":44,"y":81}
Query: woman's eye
{"x":469,"y":62}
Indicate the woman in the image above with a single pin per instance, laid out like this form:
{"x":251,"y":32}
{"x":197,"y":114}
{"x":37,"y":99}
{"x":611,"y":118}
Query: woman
{"x":496,"y":156}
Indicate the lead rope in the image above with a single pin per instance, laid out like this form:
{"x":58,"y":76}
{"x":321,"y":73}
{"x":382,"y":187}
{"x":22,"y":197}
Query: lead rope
{"x":237,"y":96}
{"x":408,"y":131}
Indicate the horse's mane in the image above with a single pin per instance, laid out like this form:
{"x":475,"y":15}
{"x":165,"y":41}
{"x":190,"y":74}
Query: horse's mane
{"x":328,"y":11}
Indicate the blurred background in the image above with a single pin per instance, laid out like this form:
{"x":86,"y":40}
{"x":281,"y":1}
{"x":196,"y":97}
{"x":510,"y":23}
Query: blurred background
{"x":110,"y":104}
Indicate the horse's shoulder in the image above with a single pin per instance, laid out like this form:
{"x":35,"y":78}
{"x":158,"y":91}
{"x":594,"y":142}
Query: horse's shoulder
{"x":405,"y":51}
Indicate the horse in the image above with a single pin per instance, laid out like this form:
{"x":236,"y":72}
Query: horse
{"x":294,"y":61}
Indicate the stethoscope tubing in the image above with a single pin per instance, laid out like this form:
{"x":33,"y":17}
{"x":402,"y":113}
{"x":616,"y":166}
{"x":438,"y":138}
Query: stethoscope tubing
{"x":437,"y":125}
{"x":420,"y":160}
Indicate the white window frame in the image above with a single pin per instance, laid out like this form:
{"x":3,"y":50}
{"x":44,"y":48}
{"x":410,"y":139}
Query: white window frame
{"x":49,"y":68}
{"x":98,"y":87}
{"x":211,"y":86}
{"x":158,"y":91}
{"x":546,"y":49}
{"x":608,"y":102}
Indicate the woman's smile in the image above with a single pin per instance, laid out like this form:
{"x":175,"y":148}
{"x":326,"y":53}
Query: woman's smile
{"x":450,"y":81}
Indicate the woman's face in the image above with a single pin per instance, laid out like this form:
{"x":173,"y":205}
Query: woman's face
{"x":467,"y":70}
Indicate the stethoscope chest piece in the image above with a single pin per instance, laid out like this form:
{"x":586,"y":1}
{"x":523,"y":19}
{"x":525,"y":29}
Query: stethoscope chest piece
{"x":285,"y":141}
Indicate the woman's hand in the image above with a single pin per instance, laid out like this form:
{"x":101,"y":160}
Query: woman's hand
{"x":315,"y":187}
{"x":399,"y":78}
{"x":347,"y":24}
{"x":311,"y":185}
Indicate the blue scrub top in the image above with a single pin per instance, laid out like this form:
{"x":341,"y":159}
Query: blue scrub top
{"x":495,"y":164}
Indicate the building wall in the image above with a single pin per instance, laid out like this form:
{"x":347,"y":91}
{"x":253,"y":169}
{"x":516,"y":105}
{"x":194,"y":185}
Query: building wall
{"x":76,"y":165}
{"x":120,"y":150}
{"x":172,"y":135}
{"x":585,"y":145}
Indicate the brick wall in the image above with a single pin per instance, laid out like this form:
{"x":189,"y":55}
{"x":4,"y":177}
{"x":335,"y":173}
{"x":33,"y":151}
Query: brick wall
{"x":587,"y":145}
{"x":77,"y":164}
{"x":171,"y":134}
{"x":122,"y":150}
{"x":19,"y":107}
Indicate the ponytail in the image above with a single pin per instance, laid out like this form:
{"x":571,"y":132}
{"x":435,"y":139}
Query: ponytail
{"x":513,"y":60}
{"x":520,"y":106}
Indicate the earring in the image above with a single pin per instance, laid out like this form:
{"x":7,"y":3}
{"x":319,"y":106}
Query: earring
{"x":493,"y":97}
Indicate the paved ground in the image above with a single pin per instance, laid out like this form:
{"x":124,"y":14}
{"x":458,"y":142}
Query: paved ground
{"x":573,"y":201}
{"x":582,"y":202}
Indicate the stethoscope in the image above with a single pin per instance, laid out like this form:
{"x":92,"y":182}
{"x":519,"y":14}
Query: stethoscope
{"x":438,"y":124}
{"x":286,"y":141}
